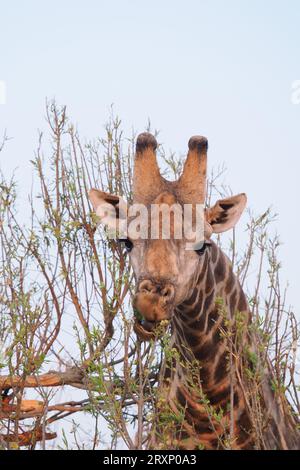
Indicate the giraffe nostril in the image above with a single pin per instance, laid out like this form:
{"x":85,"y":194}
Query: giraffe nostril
{"x":146,"y":286}
{"x":168,"y":293}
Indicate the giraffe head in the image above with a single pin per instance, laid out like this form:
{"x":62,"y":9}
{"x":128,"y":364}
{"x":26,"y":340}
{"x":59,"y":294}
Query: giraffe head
{"x":165,"y":270}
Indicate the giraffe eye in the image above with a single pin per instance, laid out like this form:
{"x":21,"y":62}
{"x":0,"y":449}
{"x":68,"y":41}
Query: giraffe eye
{"x":202,"y":249}
{"x":127,"y":243}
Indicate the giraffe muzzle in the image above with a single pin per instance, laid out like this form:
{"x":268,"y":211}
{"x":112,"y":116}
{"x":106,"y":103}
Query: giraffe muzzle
{"x":154,"y":302}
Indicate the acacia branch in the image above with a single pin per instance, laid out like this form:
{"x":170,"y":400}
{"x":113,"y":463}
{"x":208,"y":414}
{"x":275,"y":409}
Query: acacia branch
{"x":73,"y":376}
{"x":29,"y":437}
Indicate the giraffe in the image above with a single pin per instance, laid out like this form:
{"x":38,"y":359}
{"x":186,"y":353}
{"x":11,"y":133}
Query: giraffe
{"x":197,"y":292}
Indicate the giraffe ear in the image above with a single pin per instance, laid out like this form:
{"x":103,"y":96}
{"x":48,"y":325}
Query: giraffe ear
{"x":110,"y":209}
{"x":226,"y":212}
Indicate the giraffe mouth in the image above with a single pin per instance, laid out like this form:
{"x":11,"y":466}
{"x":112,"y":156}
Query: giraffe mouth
{"x":149,"y":330}
{"x":150,"y":325}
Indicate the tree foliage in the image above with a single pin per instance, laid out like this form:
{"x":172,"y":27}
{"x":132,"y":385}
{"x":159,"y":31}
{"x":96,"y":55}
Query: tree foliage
{"x":67,"y":343}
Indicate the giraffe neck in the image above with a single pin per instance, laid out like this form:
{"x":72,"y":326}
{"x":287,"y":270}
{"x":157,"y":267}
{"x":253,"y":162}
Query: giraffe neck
{"x":201,"y":381}
{"x":202,"y":321}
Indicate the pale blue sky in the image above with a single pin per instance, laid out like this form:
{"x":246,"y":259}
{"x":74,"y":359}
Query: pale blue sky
{"x":220,"y":68}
